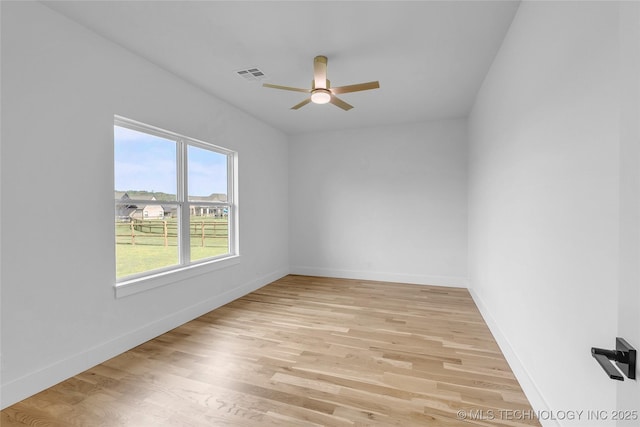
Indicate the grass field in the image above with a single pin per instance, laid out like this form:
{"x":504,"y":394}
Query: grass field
{"x":149,"y":251}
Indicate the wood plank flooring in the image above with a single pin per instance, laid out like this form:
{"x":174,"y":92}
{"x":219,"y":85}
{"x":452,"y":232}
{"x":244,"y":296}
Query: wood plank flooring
{"x":303,"y":351}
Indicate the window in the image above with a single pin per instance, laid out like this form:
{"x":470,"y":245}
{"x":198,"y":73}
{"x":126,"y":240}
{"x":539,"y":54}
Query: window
{"x":174,"y":201}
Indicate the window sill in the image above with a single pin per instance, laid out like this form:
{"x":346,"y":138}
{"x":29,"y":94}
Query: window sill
{"x":134,"y":286}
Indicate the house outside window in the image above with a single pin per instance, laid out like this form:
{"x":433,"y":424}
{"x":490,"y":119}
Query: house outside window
{"x":175,"y":202}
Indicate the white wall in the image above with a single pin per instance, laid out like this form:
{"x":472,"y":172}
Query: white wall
{"x":61,"y":86}
{"x":386,"y":203}
{"x":544,"y":201}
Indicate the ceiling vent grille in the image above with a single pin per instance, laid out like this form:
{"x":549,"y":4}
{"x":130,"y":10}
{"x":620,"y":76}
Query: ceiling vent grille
{"x":251,"y":74}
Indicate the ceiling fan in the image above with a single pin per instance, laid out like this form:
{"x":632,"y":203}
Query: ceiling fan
{"x":321,"y":91}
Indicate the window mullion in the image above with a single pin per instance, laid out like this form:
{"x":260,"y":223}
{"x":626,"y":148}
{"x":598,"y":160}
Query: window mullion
{"x":184,"y":246}
{"x":231,"y":199}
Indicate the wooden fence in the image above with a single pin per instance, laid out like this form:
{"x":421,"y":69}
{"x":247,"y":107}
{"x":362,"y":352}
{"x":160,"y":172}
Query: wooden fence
{"x":143,"y":229}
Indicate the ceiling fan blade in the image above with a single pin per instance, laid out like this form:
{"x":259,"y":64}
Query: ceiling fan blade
{"x":320,"y":72}
{"x":340,"y":103}
{"x":355,"y":88}
{"x":302,"y":104}
{"x":295,"y":89}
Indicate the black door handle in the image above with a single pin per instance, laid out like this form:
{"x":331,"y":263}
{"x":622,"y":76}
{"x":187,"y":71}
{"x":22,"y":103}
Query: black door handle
{"x":624,"y":356}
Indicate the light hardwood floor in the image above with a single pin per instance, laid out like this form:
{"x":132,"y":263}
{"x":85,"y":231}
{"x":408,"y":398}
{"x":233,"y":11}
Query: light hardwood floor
{"x":302,"y":351}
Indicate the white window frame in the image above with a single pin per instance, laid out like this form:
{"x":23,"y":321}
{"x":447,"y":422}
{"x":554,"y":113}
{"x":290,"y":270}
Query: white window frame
{"x":185,"y":268}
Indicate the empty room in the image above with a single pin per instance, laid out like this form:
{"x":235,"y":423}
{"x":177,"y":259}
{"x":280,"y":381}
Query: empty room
{"x":319,"y":213}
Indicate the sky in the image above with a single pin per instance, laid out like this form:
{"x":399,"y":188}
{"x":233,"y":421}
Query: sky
{"x":146,"y":162}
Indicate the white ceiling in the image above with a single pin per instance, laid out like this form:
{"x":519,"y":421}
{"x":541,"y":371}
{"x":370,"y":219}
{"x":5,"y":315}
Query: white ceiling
{"x":429,"y":56}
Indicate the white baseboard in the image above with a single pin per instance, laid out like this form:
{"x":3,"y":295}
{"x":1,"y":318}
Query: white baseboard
{"x":451,"y":281}
{"x":32,"y":383}
{"x":531,"y":390}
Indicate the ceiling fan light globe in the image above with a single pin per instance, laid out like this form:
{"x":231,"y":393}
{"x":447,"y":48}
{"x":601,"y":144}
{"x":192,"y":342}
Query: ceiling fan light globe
{"x":320,"y":96}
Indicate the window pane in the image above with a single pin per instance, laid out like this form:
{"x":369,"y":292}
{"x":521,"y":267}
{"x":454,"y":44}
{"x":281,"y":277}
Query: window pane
{"x":146,"y":238}
{"x":145,"y":165}
{"x":209,"y":231}
{"x":207,"y":179}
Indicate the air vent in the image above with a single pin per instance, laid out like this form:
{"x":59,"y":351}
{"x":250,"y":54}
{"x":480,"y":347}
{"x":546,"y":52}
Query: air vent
{"x":251,"y":74}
